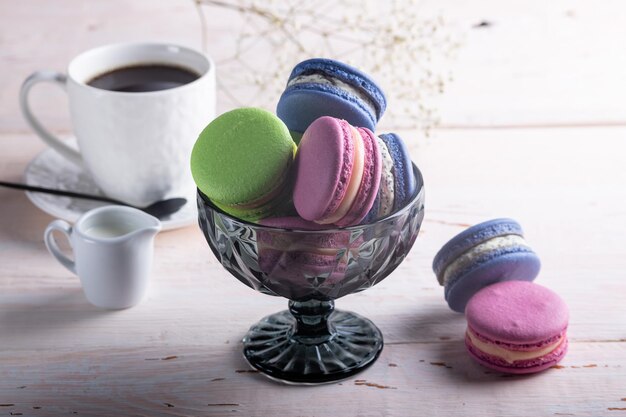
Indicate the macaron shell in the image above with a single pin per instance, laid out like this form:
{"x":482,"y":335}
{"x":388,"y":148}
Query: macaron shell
{"x":373,"y":214}
{"x":299,"y":275}
{"x":405,"y":183}
{"x":242,"y":155}
{"x":279,"y":206}
{"x":346,"y":73}
{"x":517,"y":312}
{"x":354,"y":185}
{"x":323,"y":168}
{"x":292,"y":223}
{"x":386,"y":194}
{"x":520,"y":266}
{"x":370,"y":181}
{"x":471,"y":237}
{"x":325,"y":239}
{"x":384,"y":202}
{"x":302,"y":266}
{"x":519,"y":367}
{"x":300,"y":105}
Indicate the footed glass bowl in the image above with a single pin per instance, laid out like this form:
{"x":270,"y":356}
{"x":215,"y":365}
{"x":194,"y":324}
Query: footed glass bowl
{"x":311,"y":342}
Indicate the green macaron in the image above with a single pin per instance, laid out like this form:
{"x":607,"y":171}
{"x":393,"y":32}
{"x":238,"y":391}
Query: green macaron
{"x":241,"y":162}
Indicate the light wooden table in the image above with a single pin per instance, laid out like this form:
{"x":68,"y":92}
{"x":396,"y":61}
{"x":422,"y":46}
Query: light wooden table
{"x":534,"y":128}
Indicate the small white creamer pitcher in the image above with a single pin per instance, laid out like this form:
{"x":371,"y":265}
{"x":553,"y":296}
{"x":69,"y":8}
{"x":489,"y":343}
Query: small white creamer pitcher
{"x":113,"y":251}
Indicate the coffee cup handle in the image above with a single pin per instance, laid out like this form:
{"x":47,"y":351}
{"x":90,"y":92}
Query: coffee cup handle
{"x":53,"y":247}
{"x":56,"y":143}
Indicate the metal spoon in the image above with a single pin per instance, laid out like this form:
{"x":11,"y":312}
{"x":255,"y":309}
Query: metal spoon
{"x":159,"y":209}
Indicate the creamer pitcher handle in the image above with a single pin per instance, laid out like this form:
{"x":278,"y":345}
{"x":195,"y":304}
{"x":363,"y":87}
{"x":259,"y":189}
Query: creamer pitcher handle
{"x":51,"y":243}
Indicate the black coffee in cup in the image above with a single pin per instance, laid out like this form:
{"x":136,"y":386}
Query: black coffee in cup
{"x":143,"y":78}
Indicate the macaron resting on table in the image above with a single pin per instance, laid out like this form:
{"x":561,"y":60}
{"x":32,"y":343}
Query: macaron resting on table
{"x":482,"y":255}
{"x":517,"y":327}
{"x":242,"y":161}
{"x":324,"y":87}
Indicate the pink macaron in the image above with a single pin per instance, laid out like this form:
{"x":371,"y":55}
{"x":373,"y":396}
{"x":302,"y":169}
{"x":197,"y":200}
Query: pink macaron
{"x":338,"y":170}
{"x":303,"y":265}
{"x":517,"y":327}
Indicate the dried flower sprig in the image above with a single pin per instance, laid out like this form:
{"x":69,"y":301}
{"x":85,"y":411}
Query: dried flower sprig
{"x":406,"y":53}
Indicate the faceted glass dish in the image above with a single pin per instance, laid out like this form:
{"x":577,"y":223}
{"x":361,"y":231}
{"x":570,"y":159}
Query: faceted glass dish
{"x":311,"y":342}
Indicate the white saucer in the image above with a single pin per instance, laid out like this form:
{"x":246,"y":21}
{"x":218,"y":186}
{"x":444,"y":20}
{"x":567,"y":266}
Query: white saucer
{"x":51,"y":170}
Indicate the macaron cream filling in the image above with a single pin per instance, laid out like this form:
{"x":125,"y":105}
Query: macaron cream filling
{"x":355,"y":180}
{"x":509,"y":355}
{"x":471,"y":257}
{"x":387,"y":181}
{"x":319,"y":77}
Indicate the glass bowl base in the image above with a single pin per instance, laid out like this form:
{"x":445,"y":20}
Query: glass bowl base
{"x":309,"y":349}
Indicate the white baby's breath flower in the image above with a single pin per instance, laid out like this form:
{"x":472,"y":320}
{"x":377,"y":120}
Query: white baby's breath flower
{"x":404,"y":52}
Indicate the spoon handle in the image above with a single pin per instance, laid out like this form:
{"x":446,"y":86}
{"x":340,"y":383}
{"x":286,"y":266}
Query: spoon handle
{"x":60,"y":192}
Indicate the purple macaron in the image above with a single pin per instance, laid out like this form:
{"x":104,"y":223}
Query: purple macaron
{"x":338,"y":172}
{"x":301,"y":266}
{"x":517,"y":327}
{"x":482,"y":255}
{"x":324,"y":87}
{"x":398,"y":183}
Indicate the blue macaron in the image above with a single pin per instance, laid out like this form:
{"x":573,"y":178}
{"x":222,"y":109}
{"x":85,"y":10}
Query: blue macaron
{"x":402,"y":175}
{"x":482,"y":255}
{"x":323,"y":87}
{"x":405,"y":184}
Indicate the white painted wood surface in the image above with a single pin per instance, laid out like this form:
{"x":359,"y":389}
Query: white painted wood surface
{"x":537,"y":63}
{"x":178,"y":354}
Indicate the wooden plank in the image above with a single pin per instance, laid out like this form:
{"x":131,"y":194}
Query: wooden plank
{"x":535,"y":63}
{"x":435,"y":379}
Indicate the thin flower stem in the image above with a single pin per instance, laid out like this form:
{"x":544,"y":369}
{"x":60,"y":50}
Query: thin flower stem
{"x":395,"y":42}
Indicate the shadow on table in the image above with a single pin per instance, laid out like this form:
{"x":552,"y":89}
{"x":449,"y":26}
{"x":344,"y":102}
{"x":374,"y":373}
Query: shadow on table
{"x":21,"y":223}
{"x":47,"y":314}
{"x":441,"y":345}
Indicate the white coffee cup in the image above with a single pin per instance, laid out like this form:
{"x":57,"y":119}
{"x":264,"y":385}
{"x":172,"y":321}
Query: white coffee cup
{"x":113,"y":250}
{"x":136,"y":145}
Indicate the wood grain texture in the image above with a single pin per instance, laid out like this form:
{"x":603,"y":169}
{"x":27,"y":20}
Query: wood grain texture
{"x":435,"y":379}
{"x":535,"y":64}
{"x":179,"y":353}
{"x":532,"y":64}
{"x":182,"y":345}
